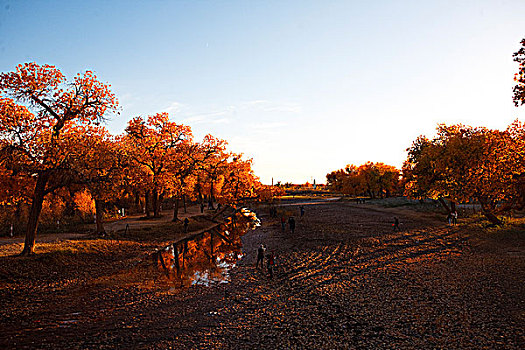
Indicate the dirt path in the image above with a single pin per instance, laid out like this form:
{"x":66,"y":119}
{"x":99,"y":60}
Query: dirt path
{"x":344,"y":279}
{"x":134,"y":221}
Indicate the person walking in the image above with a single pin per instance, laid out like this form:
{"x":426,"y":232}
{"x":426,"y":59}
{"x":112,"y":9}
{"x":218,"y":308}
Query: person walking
{"x":302,"y":210}
{"x":260,"y":256}
{"x":396,"y":224}
{"x":455,"y":218}
{"x":270,"y":264}
{"x":186,"y":223}
{"x":291,"y":223}
{"x":283,"y":223}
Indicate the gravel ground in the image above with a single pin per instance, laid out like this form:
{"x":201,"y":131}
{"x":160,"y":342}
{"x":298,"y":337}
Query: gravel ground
{"x":343,"y":280}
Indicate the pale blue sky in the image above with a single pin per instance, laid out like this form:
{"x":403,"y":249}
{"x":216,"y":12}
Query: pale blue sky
{"x":302,"y":87}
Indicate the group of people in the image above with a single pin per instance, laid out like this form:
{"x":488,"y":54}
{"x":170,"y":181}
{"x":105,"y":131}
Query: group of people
{"x":270,"y":260}
{"x":291,"y":223}
{"x":270,"y":257}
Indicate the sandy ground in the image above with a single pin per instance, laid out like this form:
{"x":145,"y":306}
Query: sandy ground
{"x":343,"y":280}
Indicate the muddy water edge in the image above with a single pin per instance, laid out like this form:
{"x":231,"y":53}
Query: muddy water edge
{"x":203,"y":258}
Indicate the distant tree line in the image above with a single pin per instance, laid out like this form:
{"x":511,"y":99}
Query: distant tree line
{"x":374,"y":180}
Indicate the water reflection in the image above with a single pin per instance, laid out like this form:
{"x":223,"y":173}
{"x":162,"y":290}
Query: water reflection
{"x":205,"y":258}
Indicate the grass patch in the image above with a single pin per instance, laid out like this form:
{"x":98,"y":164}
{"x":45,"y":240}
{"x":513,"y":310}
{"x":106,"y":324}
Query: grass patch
{"x":512,"y":229}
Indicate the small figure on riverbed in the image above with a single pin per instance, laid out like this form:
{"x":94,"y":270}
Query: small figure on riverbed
{"x":396,"y":224}
{"x":260,"y":256}
{"x":302,"y":210}
{"x":283,"y":223}
{"x":291,"y":223}
{"x":454,"y":218}
{"x":270,"y":264}
{"x":186,"y":223}
{"x":202,"y":207}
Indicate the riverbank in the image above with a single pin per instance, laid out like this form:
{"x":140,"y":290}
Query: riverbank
{"x":344,"y":279}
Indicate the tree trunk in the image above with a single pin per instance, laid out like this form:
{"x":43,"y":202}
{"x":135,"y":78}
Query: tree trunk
{"x":444,"y":204}
{"x":184,"y":201}
{"x":210,"y":200}
{"x":176,"y":210}
{"x":34,"y":214}
{"x":155,"y":200}
{"x":99,"y":217}
{"x":146,"y":204}
{"x":137,"y":202}
{"x":492,"y":218}
{"x":161,"y":200}
{"x":489,"y":214}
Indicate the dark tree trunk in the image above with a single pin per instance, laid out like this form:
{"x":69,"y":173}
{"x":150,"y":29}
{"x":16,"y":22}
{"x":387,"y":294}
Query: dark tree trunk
{"x":99,"y":217}
{"x":34,"y":214}
{"x":176,"y":210}
{"x":199,"y":193}
{"x":492,"y":218}
{"x":155,"y":200}
{"x":137,"y":202}
{"x":184,"y":201}
{"x":444,"y":204}
{"x":210,"y":200}
{"x":489,"y":214}
{"x":146,"y":204}
{"x":161,"y":200}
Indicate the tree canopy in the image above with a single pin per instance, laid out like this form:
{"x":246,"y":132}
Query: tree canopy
{"x":53,"y":150}
{"x":463,"y":163}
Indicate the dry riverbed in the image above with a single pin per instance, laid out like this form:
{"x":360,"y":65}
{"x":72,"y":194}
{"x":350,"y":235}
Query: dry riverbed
{"x":344,"y":279}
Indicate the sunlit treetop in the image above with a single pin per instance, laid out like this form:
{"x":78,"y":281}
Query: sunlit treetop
{"x":54,"y":100}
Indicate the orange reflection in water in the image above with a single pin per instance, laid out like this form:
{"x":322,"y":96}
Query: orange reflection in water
{"x":206,"y":258}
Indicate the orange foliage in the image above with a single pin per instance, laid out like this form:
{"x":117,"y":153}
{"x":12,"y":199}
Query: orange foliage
{"x":41,"y":144}
{"x":370,"y":179}
{"x":463,"y":162}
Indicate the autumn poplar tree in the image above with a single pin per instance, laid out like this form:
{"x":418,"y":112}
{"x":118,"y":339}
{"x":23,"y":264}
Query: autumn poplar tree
{"x":187,"y":166}
{"x":370,"y":179}
{"x":35,"y":139}
{"x":238,"y":181}
{"x":463,"y":162}
{"x":152,"y":145}
{"x":213,"y":169}
{"x":100,"y":170}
